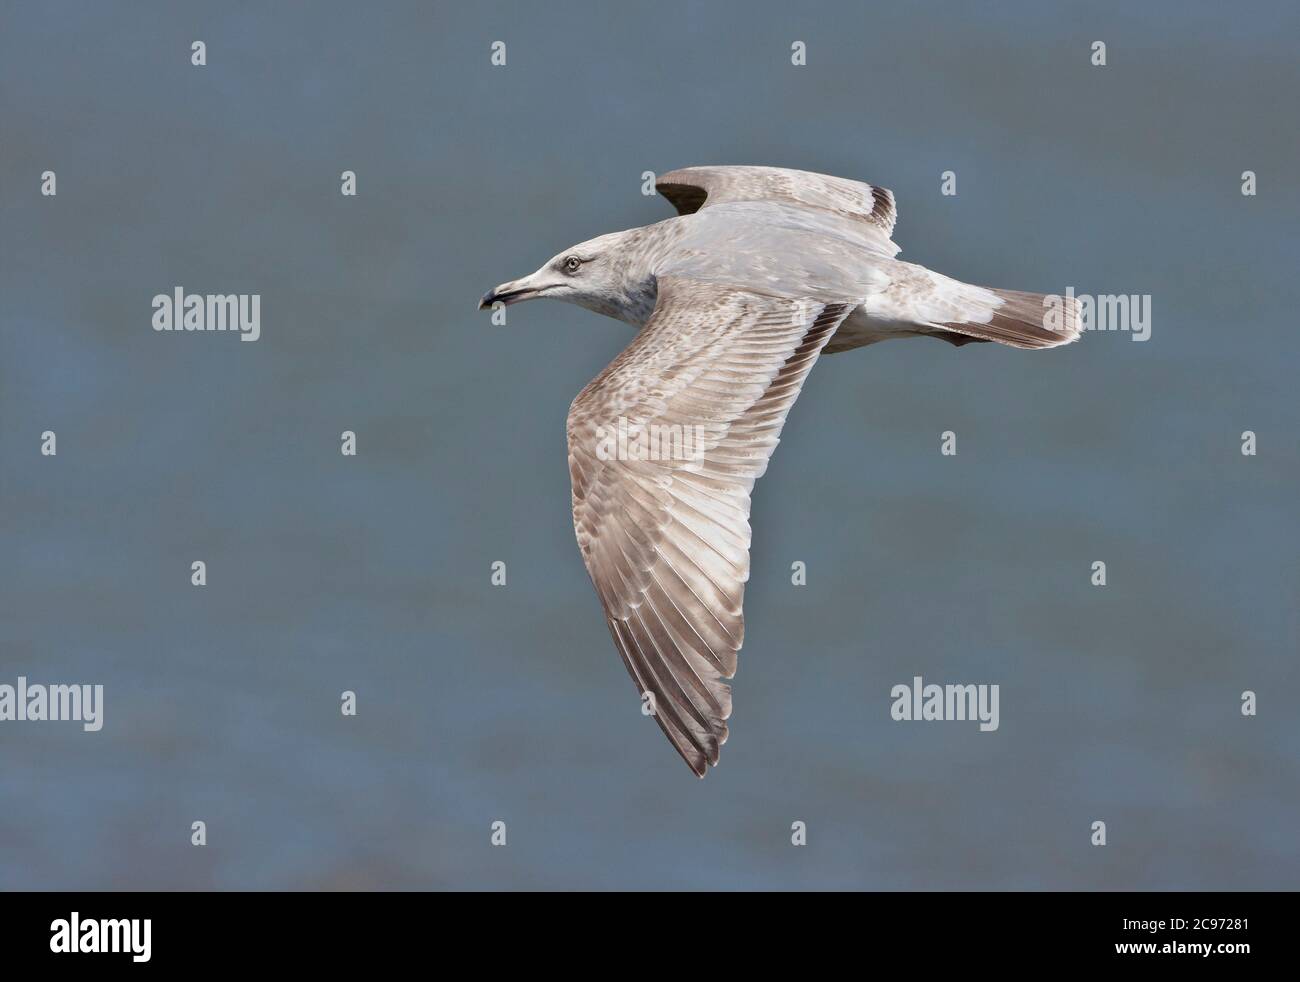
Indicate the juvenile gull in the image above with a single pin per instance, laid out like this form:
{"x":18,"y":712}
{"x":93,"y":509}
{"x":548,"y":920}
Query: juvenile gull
{"x":763,"y":270}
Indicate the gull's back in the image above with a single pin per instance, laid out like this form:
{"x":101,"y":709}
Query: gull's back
{"x":780,"y":249}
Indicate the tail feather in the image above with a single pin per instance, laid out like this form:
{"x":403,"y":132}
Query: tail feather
{"x":1022,"y":320}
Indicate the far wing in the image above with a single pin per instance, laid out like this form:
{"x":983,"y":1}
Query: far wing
{"x":692,"y":188}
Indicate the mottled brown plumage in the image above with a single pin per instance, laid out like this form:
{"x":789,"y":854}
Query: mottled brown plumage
{"x":764,"y":270}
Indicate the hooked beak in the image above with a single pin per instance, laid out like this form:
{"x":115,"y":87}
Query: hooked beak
{"x":512,"y":292}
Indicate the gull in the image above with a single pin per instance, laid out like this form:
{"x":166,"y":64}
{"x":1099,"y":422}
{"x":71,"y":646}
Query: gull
{"x":762,"y":270}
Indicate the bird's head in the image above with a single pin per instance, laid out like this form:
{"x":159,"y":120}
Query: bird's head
{"x":604,"y":274}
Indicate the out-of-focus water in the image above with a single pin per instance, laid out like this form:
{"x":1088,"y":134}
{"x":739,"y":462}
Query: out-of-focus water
{"x":329,"y":573}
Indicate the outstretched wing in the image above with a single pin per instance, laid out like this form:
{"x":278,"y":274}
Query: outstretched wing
{"x":692,"y":188}
{"x":665,"y":445}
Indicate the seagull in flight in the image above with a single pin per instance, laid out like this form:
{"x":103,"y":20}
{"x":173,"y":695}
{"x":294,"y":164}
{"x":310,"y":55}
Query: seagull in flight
{"x":762,"y":270}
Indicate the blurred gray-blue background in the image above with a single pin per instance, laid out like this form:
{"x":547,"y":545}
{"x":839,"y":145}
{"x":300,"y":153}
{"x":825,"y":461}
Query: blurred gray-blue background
{"x":371,"y":573}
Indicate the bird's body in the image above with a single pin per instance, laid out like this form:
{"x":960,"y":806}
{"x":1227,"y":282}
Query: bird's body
{"x":763,"y":270}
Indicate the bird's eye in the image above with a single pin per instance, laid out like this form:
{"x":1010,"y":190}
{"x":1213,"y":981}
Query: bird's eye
{"x":572,"y":264}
